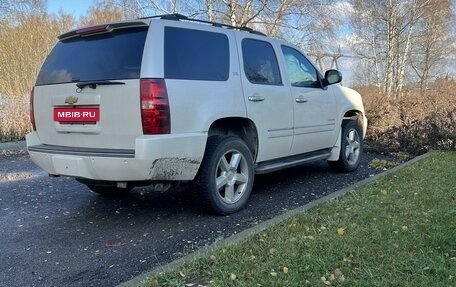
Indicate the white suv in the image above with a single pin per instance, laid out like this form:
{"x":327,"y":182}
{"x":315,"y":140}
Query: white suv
{"x":169,"y":99}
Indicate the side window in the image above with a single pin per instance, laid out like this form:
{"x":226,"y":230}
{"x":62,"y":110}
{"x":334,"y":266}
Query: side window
{"x":260,"y":62}
{"x":196,"y":55}
{"x":299,"y":69}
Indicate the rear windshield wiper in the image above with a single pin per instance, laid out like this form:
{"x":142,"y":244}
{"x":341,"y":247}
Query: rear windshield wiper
{"x":94,"y":84}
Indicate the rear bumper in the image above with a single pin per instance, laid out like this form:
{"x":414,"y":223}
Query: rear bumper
{"x":155,"y":158}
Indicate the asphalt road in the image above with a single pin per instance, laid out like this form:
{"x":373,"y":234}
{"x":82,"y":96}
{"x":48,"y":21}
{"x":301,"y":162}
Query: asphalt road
{"x":55,"y":232}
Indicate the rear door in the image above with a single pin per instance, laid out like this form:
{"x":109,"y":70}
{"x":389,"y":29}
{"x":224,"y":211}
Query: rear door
{"x":268,"y":101}
{"x":87,"y":91}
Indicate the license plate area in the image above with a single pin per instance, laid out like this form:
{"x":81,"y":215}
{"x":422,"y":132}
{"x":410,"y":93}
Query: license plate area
{"x":77,"y":115}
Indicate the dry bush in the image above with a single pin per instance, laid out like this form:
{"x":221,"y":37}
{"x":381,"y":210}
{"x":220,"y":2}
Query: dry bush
{"x":14,"y":120}
{"x":416,"y":123}
{"x":26,"y":38}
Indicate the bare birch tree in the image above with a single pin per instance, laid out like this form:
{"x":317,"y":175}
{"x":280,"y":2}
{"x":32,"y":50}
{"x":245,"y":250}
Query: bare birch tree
{"x":434,"y":42}
{"x":387,"y":35}
{"x":299,"y":21}
{"x":102,"y":12}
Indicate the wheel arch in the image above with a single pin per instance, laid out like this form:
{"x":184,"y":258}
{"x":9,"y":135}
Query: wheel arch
{"x":358,"y":116}
{"x":351,"y":114}
{"x":240,"y":127}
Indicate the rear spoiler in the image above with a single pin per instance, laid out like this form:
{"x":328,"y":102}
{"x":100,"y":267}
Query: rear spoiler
{"x":99,"y":29}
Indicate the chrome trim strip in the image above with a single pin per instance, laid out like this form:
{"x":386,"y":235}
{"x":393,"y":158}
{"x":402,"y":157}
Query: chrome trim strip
{"x":313,"y":132}
{"x":281,"y":129}
{"x":81,"y":151}
{"x":315,"y":126}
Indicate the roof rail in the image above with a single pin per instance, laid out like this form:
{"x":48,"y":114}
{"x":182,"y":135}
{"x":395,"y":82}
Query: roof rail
{"x":180,"y":17}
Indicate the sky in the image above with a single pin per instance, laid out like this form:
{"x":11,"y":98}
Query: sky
{"x":76,"y":7}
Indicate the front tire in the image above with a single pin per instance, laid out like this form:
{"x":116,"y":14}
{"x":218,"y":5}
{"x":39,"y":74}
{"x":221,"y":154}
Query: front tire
{"x":225,"y":178}
{"x":351,"y":147}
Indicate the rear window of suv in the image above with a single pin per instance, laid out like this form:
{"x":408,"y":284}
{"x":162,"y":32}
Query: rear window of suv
{"x":108,"y":56}
{"x":196,"y":55}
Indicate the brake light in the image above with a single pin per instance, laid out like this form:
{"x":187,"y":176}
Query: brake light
{"x":32,"y":110}
{"x":155,"y":114}
{"x":92,"y":30}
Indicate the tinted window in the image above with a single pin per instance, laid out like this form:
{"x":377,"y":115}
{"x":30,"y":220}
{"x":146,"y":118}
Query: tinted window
{"x":260,"y":62}
{"x":196,"y":55}
{"x":107,"y":56}
{"x":300,"y":71}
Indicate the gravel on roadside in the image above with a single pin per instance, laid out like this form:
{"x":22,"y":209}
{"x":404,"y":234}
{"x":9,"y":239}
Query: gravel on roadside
{"x":8,"y":149}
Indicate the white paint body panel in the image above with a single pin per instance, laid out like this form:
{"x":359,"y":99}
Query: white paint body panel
{"x":156,"y":158}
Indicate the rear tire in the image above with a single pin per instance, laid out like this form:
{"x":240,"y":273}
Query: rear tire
{"x":225,"y":178}
{"x":351,"y":147}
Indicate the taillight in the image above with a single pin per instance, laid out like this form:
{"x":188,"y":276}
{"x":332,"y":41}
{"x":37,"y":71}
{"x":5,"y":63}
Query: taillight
{"x":155,"y":113}
{"x":32,"y":112}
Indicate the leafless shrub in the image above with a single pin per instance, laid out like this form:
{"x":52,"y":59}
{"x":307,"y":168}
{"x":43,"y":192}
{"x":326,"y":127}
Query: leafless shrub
{"x":416,"y":123}
{"x":27,"y":34}
{"x":14,"y":120}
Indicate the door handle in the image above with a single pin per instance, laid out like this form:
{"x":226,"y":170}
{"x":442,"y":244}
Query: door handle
{"x":256,"y":98}
{"x":301,"y":100}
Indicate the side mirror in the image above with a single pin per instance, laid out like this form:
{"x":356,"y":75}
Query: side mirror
{"x":333,"y":77}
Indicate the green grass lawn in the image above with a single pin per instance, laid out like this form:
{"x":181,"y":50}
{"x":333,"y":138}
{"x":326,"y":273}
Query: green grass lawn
{"x":399,"y":230}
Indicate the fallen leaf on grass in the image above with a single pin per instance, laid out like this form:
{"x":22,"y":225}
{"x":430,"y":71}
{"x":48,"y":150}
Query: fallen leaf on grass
{"x":233,"y":276}
{"x":273,"y":274}
{"x":182,"y":274}
{"x":326,"y":282}
{"x":335,"y":276}
{"x":338,"y":275}
{"x":384,"y":192}
{"x":341,"y":231}
{"x":285,"y":270}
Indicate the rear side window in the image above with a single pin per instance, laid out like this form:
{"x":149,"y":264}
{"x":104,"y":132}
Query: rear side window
{"x":260,"y":62}
{"x":107,"y":56}
{"x":196,"y":55}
